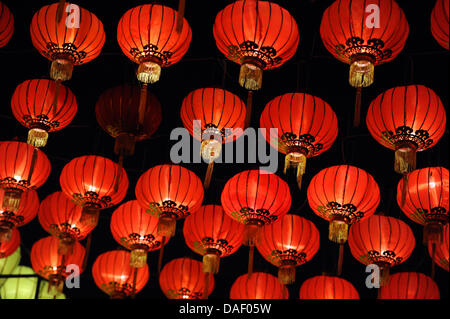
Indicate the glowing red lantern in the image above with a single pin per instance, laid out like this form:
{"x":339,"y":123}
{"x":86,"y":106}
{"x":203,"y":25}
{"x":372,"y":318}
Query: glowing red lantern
{"x":183,"y":278}
{"x":113,"y":274}
{"x":370,"y":33}
{"x":147,"y":36}
{"x":169,"y":192}
{"x":258,"y":286}
{"x":427,"y":200}
{"x":136,"y":230}
{"x":33,"y":105}
{"x":343,"y":195}
{"x":288,"y":243}
{"x":381,"y":240}
{"x":258,"y":35}
{"x":418,"y":124}
{"x":22,"y":167}
{"x":307,"y":126}
{"x":75,"y":39}
{"x":439,"y":23}
{"x":410,"y":285}
{"x":28,"y":209}
{"x":328,"y":287}
{"x":441,"y":251}
{"x":49,"y":264}
{"x":10,"y":246}
{"x":212,"y":234}
{"x":213,"y":116}
{"x":6,"y":25}
{"x":60,"y":217}
{"x":94,"y":183}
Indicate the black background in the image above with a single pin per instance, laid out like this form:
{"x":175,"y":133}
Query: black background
{"x":312,"y":70}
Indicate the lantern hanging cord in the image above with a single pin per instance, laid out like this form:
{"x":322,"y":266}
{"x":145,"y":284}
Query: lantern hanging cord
{"x":133,"y":290}
{"x":55,"y":96}
{"x":88,"y":249}
{"x":340,"y":259}
{"x":357,"y":115}
{"x":180,"y":15}
{"x":161,"y":252}
{"x":248,"y":115}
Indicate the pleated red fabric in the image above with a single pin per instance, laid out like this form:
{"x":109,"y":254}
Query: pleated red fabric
{"x":6,"y":25}
{"x":258,"y":286}
{"x":28,"y":209}
{"x":410,"y":285}
{"x":7,"y":248}
{"x":439,"y":22}
{"x":328,"y":287}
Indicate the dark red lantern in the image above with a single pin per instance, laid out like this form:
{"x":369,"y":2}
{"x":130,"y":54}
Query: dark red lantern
{"x":75,"y":39}
{"x":410,"y":285}
{"x":439,"y":23}
{"x":169,"y":192}
{"x":34,"y":106}
{"x":94,"y":183}
{"x":113,"y":274}
{"x":10,"y":246}
{"x":28,"y":209}
{"x":381,"y":240}
{"x":441,"y":251}
{"x":363,"y":33}
{"x":307,"y":126}
{"x":6,"y":25}
{"x":22,"y":167}
{"x":343,"y":195}
{"x":212,"y":234}
{"x":213,"y":116}
{"x":60,"y":217}
{"x":183,"y":278}
{"x":288,"y":243}
{"x":258,"y":286}
{"x":418,"y":124}
{"x":136,"y":230}
{"x":328,"y":287}
{"x":49,"y":264}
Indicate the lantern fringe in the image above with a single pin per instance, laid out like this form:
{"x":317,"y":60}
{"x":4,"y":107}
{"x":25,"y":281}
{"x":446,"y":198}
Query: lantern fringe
{"x":61,"y":70}
{"x":37,"y":137}
{"x":286,"y":274}
{"x":211,"y":263}
{"x":250,"y":76}
{"x":251,"y":234}
{"x":433,"y":233}
{"x":405,"y":160}
{"x":5,"y":234}
{"x":148,"y":72}
{"x":298,"y":161}
{"x":166,"y":226}
{"x":249,"y":105}
{"x":89,"y":216}
{"x":11,"y":200}
{"x":65,"y":246}
{"x":357,"y":115}
{"x":362,"y":71}
{"x":338,"y":231}
{"x":138,"y":258}
{"x":180,"y":15}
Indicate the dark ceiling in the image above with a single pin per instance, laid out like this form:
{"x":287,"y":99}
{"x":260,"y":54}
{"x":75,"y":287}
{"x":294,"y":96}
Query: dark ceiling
{"x":312,"y":70}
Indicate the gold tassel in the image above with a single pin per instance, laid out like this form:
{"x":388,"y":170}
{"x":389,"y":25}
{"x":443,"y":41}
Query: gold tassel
{"x":65,"y":246}
{"x":248,"y":114}
{"x":211,"y":262}
{"x":61,"y":70}
{"x":180,"y":15}
{"x":251,"y":253}
{"x":296,"y":160}
{"x":161,"y":253}
{"x":405,"y":160}
{"x":11,"y":200}
{"x":89,"y":216}
{"x":357,"y":115}
{"x":166,"y":226}
{"x":286,"y":274}
{"x":138,"y":258}
{"x":250,"y":76}
{"x":433,"y":233}
{"x":208,"y":175}
{"x":251,"y":234}
{"x":338,"y":230}
{"x":362,"y":71}
{"x":340,"y":259}
{"x":148,"y":72}
{"x":37,"y":137}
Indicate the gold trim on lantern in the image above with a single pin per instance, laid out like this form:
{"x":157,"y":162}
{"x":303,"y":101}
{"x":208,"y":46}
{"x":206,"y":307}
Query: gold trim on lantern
{"x":250,"y":75}
{"x":37,"y":137}
{"x":405,"y":158}
{"x":338,"y":229}
{"x":362,"y":71}
{"x":61,"y":69}
{"x":149,"y":71}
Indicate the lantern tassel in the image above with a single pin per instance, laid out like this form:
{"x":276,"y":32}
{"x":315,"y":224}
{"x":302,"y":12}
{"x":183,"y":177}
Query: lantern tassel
{"x":142,"y":106}
{"x":340,"y":259}
{"x":248,"y":114}
{"x":161,"y":253}
{"x":298,"y":161}
{"x":11,"y":200}
{"x":166,"y":226}
{"x":60,"y":9}
{"x":88,"y":249}
{"x":89,"y":216}
{"x":251,"y":253}
{"x":180,"y":15}
{"x":433,"y":233}
{"x":405,"y":160}
{"x":208,"y":175}
{"x":5,"y":233}
{"x":119,"y":173}
{"x":206,"y":290}
{"x":65,"y":246}
{"x":211,"y":263}
{"x":138,"y":258}
{"x":338,"y":230}
{"x":357,"y":115}
{"x":286,"y":274}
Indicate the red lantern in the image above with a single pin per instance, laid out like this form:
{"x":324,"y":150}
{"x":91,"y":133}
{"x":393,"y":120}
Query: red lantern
{"x":183,"y":278}
{"x":426,"y":200}
{"x":343,"y":195}
{"x":258,"y":286}
{"x":22,"y":167}
{"x":75,"y":39}
{"x":212,"y":234}
{"x":370,"y":33}
{"x":258,"y":35}
{"x":307,"y":126}
{"x":136,"y":230}
{"x":95,"y":183}
{"x":439,"y":23}
{"x":213,"y":116}
{"x":418,"y":124}
{"x":60,"y":217}
{"x":117,"y":114}
{"x":113,"y":274}
{"x":288,"y":243}
{"x":169,"y":192}
{"x":147,"y":36}
{"x":381,"y":240}
{"x":410,"y":285}
{"x":328,"y":287}
{"x":28,"y":209}
{"x":6,"y":25}
{"x":10,"y":246}
{"x":49,"y":264}
{"x":34,"y":107}
{"x":441,"y":253}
